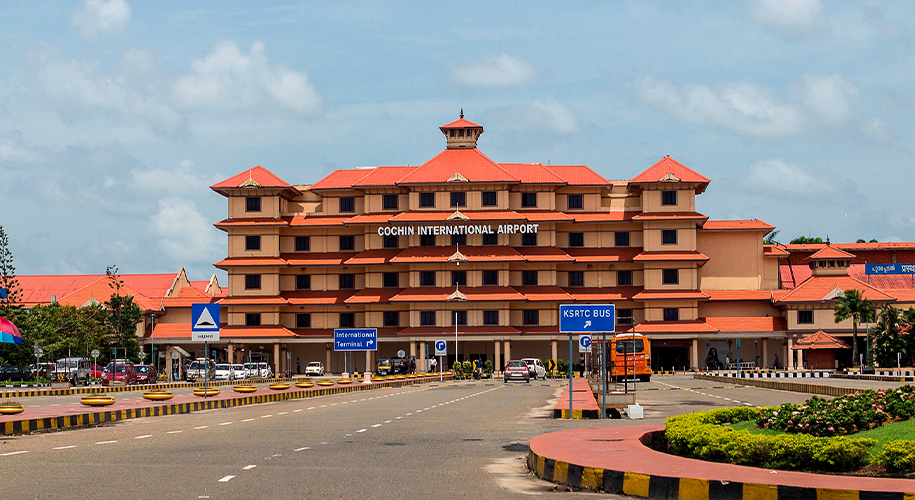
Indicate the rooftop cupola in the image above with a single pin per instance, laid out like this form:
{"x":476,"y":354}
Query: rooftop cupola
{"x":462,"y":134}
{"x":830,"y":261}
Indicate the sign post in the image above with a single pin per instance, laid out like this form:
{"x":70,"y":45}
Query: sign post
{"x":441,"y":349}
{"x":587,"y":319}
{"x":356,"y":339}
{"x":205,"y":327}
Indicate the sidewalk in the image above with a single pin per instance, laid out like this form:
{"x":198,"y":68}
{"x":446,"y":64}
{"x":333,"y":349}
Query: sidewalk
{"x":613,"y":459}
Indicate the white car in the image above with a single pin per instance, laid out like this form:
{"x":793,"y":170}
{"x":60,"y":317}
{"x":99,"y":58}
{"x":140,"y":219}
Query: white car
{"x":535,"y":366}
{"x":223,"y":372}
{"x":251,"y":370}
{"x":315,"y":368}
{"x":265,"y":370}
{"x":239,"y":372}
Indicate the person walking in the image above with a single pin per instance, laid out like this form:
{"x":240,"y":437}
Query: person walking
{"x":298,"y":366}
{"x":432,"y":365}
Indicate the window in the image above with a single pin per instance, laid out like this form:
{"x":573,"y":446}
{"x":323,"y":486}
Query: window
{"x":252,"y":204}
{"x":458,"y":199}
{"x":427,"y":318}
{"x":253,"y":319}
{"x":348,"y":204}
{"x":347,"y":243}
{"x":391,"y":241}
{"x":391,"y":280}
{"x":621,"y":238}
{"x":576,"y":239}
{"x":529,"y":239}
{"x":303,"y":282}
{"x":488,"y":198}
{"x":490,"y":278}
{"x":624,"y":278}
{"x":252,"y":282}
{"x":347,"y":320}
{"x":671,"y":314}
{"x":490,"y":239}
{"x":391,"y":318}
{"x":671,"y":276}
{"x":490,"y":317}
{"x":532,"y":317}
{"x":805,"y":317}
{"x":252,"y":242}
{"x":459,"y":278}
{"x":668,"y":197}
{"x":347,"y":281}
{"x":302,"y":243}
{"x":389,"y":202}
{"x":576,"y":278}
{"x":528,"y":199}
{"x":427,"y":278}
{"x":529,"y":278}
{"x":303,"y":320}
{"x":458,"y":239}
{"x":624,"y":316}
{"x":426,"y":199}
{"x":427,"y":240}
{"x":669,"y":236}
{"x":576,"y":202}
{"x":459,"y":318}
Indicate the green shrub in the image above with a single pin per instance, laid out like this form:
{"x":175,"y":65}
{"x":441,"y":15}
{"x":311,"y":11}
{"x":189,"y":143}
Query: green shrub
{"x":705,"y":436}
{"x":458,"y":370}
{"x":898,"y":456}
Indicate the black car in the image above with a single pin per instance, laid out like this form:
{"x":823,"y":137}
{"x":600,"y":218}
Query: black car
{"x":13,"y":374}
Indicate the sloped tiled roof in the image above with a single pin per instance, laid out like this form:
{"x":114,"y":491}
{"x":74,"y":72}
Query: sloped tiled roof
{"x":372,"y":257}
{"x":818,"y":288}
{"x":612,"y":254}
{"x":543,"y":293}
{"x":471,"y":163}
{"x":317,"y":297}
{"x":596,"y":295}
{"x":774,"y":251}
{"x":671,"y":256}
{"x":737,"y":225}
{"x":820,"y":340}
{"x":532,"y":173}
{"x":259,"y":175}
{"x":697,"y":326}
{"x":250,"y":262}
{"x":317,"y":258}
{"x":461,"y":123}
{"x":475,"y":293}
{"x":747,"y":324}
{"x":671,"y":295}
{"x":831,"y":252}
{"x":384,"y":176}
{"x":76,"y":290}
{"x":543,"y":254}
{"x":341,"y":179}
{"x":578,"y":175}
{"x":881,"y":281}
{"x":614,"y":216}
{"x":373,"y":295}
{"x":669,"y":170}
{"x":662,"y":216}
{"x":738,"y":295}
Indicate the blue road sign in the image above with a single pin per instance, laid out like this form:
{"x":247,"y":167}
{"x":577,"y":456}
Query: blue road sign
{"x":889,"y":268}
{"x":587,"y":318}
{"x":356,"y":339}
{"x":441,"y":348}
{"x":204,"y":322}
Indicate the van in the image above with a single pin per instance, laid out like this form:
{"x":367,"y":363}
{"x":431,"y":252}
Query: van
{"x":74,"y":370}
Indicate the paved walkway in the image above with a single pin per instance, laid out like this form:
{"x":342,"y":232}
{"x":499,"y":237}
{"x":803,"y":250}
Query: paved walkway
{"x":583,"y":403}
{"x":613,"y":459}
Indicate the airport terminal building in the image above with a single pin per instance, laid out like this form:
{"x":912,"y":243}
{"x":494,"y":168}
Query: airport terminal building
{"x":465,"y":247}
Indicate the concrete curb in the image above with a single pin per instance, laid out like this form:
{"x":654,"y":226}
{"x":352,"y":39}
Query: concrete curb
{"x":63,"y":422}
{"x":822,"y":390}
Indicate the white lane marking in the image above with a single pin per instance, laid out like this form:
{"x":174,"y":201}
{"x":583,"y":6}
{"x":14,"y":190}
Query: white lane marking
{"x":201,"y":427}
{"x":311,"y":408}
{"x":335,"y":404}
{"x":266,"y":416}
{"x":226,"y":479}
{"x":144,"y":436}
{"x":225,"y":423}
{"x":65,"y":447}
{"x":283,"y":413}
{"x":376,"y":425}
{"x":248,"y":420}
{"x":302,"y":448}
{"x":345,"y":402}
{"x":105,"y":442}
{"x":323,"y":406}
{"x":387,"y":421}
{"x":398,"y":418}
{"x":426,"y":408}
{"x":362,"y":430}
{"x":248,"y":467}
{"x":174,"y":432}
{"x":12,"y":453}
{"x":296,"y":411}
{"x":408,"y":414}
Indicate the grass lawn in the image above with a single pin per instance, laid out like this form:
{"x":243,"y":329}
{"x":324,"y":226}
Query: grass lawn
{"x":892,"y":432}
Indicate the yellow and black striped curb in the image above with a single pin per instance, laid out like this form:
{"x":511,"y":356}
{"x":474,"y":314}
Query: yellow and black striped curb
{"x":822,"y":390}
{"x":138,"y":387}
{"x":708,"y":388}
{"x":71,"y":421}
{"x":676,"y":488}
{"x":590,"y":414}
{"x":879,"y":378}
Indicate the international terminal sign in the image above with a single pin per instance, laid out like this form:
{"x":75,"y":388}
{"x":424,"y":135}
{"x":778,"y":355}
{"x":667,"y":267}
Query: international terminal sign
{"x":450,"y":229}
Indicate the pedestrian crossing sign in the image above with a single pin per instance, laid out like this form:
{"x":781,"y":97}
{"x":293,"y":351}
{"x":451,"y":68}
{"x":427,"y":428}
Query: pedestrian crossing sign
{"x":204,"y":322}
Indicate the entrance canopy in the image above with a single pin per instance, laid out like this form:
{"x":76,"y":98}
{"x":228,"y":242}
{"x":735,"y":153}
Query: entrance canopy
{"x":820,"y":340}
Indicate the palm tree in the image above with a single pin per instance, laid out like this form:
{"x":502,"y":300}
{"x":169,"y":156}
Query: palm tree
{"x":853,"y":305}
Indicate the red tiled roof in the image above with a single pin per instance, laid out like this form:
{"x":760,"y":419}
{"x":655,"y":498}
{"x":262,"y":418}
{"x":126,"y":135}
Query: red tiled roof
{"x":100,"y":292}
{"x":543,"y":254}
{"x":252,"y":222}
{"x":658,"y":216}
{"x":253,"y":300}
{"x":475,"y":293}
{"x":737,"y":225}
{"x":478,"y":216}
{"x":39,"y":289}
{"x":372,"y":257}
{"x":543,"y":293}
{"x":250,"y":262}
{"x":831,"y":252}
{"x":415,"y":255}
{"x":802,"y":272}
{"x":820,"y":340}
{"x":471,"y":163}
{"x":614,"y":216}
{"x":172,"y":331}
{"x":373,"y":295}
{"x":612,"y":254}
{"x":319,"y":220}
{"x":578,"y":175}
{"x":384,"y":176}
{"x":317,"y":259}
{"x":462,"y":330}
{"x":258,"y":174}
{"x":598,"y":295}
{"x":817,"y":288}
{"x":671,"y":295}
{"x":532,"y":173}
{"x":906,"y":295}
{"x":247,"y":332}
{"x":545,"y":216}
{"x":487,"y":253}
{"x":341,"y":179}
{"x":672,"y":256}
{"x":317,"y":297}
{"x":461,"y":123}
{"x":670,"y":170}
{"x":738,"y":295}
{"x":852,"y":247}
{"x":747,"y":324}
{"x":370,"y":219}
{"x":774,"y":251}
{"x":442,"y":253}
{"x":696,"y":326}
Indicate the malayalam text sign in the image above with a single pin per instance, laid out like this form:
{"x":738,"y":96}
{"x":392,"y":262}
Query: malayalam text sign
{"x":889,"y":268}
{"x":587,"y":318}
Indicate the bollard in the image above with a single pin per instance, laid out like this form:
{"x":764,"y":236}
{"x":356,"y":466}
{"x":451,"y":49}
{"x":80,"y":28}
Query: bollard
{"x":367,"y":378}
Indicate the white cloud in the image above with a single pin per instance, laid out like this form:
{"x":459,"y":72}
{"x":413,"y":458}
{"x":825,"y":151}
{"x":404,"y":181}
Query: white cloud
{"x":227,"y":78}
{"x":183,"y":179}
{"x":184,"y":233}
{"x":738,"y":106}
{"x":791,"y":17}
{"x":499,"y":71}
{"x":780,"y":177}
{"x":542,"y":114}
{"x":102,"y":17}
{"x":832,"y":97}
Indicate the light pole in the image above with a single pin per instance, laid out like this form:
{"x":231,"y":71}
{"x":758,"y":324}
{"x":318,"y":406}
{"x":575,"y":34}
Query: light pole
{"x":152,"y":341}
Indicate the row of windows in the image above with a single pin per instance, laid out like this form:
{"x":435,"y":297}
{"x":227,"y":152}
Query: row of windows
{"x":489,"y":278}
{"x":428,"y":318}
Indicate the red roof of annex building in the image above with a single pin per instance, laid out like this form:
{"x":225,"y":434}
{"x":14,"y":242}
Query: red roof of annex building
{"x":831,"y":252}
{"x":737,"y":225}
{"x":820,"y":340}
{"x":670,"y":170}
{"x":825,"y":288}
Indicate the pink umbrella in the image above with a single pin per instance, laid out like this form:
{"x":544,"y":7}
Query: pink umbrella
{"x":9,"y":333}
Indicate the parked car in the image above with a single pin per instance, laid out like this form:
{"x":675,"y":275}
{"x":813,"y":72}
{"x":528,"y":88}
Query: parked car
{"x":201,"y":368}
{"x":239,"y":372}
{"x":315,"y":368}
{"x":13,"y":374}
{"x":265,"y":370}
{"x":95,"y":371}
{"x":251,"y":370}
{"x":223,"y":372}
{"x":386,"y":366}
{"x":121,"y":370}
{"x":517,"y":370}
{"x":74,"y":370}
{"x":44,"y":370}
{"x":146,"y":374}
{"x":535,"y":366}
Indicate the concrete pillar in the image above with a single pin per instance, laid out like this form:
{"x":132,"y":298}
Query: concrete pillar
{"x":694,"y":354}
{"x":422,"y":364}
{"x":789,"y":360}
{"x":168,"y":362}
{"x":276,"y":358}
{"x":508,"y":350}
{"x":230,"y":353}
{"x":799,"y":354}
{"x":765,"y":350}
{"x":497,"y":364}
{"x":554,"y":349}
{"x":327,"y":352}
{"x":368,"y":361}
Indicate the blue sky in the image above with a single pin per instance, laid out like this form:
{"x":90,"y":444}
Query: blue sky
{"x":116,"y":115}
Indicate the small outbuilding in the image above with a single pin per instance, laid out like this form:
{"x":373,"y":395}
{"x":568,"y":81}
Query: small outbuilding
{"x":820,"y":350}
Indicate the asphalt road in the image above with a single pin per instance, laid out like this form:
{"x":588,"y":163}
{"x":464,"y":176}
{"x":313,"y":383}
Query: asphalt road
{"x":426,"y":441}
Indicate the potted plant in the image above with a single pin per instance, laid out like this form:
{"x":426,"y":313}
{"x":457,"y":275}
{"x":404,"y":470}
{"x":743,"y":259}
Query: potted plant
{"x":158,"y":395}
{"x":11,"y":408}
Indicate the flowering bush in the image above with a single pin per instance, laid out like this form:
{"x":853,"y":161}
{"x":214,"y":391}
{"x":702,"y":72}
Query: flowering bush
{"x":898,"y":456}
{"x":843,"y":415}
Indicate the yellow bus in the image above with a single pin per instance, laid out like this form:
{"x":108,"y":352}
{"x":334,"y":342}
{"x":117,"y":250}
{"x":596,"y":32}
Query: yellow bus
{"x":629,"y":356}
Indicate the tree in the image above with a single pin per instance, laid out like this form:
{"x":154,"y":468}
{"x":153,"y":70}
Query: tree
{"x":770,"y":238}
{"x":123,"y":315}
{"x":853,"y":305}
{"x":886,"y":341}
{"x":62,"y":330}
{"x":907,"y":328}
{"x":805,"y":239}
{"x":11,"y":294}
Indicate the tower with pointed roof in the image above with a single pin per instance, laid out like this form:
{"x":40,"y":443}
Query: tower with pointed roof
{"x":461,"y":133}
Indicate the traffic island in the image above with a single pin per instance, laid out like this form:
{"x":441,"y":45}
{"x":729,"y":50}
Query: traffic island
{"x":583,"y":403}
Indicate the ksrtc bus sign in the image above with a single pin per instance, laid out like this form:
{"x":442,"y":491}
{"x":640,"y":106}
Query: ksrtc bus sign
{"x":588,"y":318}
